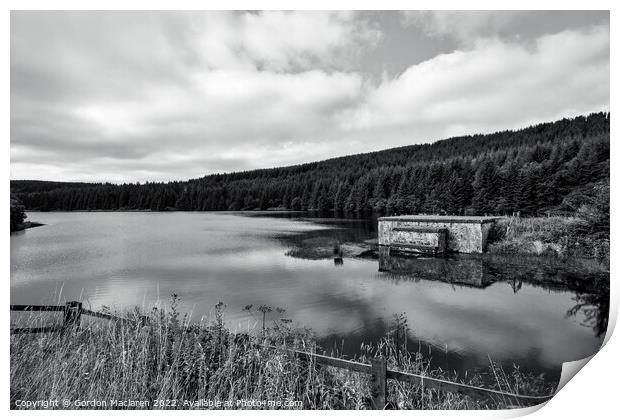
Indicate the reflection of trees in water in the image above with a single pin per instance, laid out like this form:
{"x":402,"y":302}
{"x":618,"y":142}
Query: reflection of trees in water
{"x":594,"y":307}
{"x":516,"y":285}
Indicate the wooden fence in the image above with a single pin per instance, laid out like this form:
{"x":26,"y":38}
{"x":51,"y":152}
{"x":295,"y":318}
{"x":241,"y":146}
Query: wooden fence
{"x":377,"y":369}
{"x":73,"y":312}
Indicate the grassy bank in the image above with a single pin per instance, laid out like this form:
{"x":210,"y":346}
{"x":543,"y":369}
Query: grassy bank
{"x":173,"y":359}
{"x":554,"y":236}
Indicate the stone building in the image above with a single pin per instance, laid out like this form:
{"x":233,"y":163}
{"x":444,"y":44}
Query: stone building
{"x":424,"y":233}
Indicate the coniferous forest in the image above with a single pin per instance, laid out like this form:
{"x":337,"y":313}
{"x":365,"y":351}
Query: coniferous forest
{"x":550,"y":168}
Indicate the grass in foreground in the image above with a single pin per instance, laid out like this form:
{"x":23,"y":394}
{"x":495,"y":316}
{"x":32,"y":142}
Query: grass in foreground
{"x":173,"y":359}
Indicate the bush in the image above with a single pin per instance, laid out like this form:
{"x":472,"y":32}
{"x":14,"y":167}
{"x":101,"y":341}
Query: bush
{"x":18,"y":214}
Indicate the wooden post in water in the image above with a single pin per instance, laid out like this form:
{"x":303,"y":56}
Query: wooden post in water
{"x":378,"y":383}
{"x":73,"y":312}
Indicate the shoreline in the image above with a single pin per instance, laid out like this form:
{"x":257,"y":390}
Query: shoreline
{"x":27,"y":225}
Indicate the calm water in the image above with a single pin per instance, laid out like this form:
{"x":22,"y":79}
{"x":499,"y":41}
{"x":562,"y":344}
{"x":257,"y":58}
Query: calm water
{"x":461,"y":310}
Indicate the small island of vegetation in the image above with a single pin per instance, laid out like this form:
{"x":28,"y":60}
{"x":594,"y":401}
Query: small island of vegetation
{"x":18,"y":216}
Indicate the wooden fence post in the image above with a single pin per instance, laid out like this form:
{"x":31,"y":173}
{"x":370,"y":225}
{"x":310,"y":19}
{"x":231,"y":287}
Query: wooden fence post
{"x":378,"y":383}
{"x":73,"y":312}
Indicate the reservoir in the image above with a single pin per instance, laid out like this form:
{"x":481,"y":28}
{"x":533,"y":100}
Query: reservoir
{"x":460,"y":309}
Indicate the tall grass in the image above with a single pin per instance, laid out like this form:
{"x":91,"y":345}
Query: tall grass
{"x":172,"y":359}
{"x":554,"y":235}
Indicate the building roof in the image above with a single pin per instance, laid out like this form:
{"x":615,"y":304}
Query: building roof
{"x":441,"y":219}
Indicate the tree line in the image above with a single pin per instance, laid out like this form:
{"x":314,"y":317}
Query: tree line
{"x":546,"y":168}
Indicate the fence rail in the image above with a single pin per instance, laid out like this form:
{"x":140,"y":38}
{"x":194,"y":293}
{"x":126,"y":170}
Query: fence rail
{"x":38,"y":308}
{"x":377,"y":368}
{"x":73,"y":312}
{"x":379,"y":372}
{"x":51,"y":328}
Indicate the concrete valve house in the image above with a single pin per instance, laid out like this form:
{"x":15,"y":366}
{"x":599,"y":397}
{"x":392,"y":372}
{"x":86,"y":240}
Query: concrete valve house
{"x":435,"y":234}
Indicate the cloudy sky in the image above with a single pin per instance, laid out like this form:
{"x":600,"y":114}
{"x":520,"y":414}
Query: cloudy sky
{"x":137,"y":96}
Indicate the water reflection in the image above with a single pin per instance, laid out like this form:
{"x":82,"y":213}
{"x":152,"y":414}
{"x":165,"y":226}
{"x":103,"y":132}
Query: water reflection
{"x":464,"y":271}
{"x":586,"y":278}
{"x":593,"y":307}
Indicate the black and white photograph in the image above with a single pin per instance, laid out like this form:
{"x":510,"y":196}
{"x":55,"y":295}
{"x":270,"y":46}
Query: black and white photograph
{"x":306,"y":209}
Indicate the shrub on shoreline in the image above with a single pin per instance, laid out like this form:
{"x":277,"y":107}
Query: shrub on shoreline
{"x":556,"y":236}
{"x":18,"y":214}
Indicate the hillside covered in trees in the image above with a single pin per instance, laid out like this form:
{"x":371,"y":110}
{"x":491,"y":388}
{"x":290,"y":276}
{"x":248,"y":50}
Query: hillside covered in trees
{"x":550,"y":168}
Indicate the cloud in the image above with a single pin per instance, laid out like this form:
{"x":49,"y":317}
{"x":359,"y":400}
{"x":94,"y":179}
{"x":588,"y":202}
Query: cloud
{"x":279,"y":40}
{"x":136,"y":87}
{"x":136,"y":96}
{"x":492,"y":86}
{"x":465,"y":25}
{"x":288,"y":40}
{"x":256,"y":116}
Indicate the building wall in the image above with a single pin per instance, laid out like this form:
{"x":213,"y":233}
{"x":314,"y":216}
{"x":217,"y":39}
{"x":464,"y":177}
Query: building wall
{"x":430,"y":239}
{"x":462,"y":237}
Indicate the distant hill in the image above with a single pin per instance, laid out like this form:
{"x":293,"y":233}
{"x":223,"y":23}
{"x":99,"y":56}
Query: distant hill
{"x":547,"y":168}
{"x":31,"y":186}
